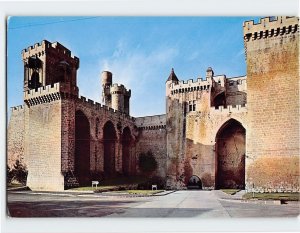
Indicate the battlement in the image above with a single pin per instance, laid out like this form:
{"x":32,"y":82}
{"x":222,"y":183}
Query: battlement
{"x":119,"y":89}
{"x":190,"y":85}
{"x":44,"y":94}
{"x":99,"y":107}
{"x":17,"y":108}
{"x":42,"y":48}
{"x":270,"y":27}
{"x":228,"y":109}
{"x":49,"y":89}
{"x":151,"y":122}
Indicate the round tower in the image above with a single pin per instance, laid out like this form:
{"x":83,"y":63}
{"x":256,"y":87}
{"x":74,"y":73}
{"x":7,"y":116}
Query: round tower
{"x":117,"y":97}
{"x":106,"y":81}
{"x":209,"y":73}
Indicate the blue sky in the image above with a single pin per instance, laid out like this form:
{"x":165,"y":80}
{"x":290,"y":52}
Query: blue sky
{"x":139,"y":51}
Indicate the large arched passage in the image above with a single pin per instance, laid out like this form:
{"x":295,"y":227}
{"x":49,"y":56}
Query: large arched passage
{"x":126,"y":152}
{"x":194,"y":183}
{"x":109,"y":141}
{"x":82,"y":148}
{"x":230,"y":155}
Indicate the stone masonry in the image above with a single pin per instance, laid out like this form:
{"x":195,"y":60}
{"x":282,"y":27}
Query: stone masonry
{"x":224,"y":132}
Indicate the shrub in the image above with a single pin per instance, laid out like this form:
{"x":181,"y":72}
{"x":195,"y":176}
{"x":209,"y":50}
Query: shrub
{"x":17,"y":173}
{"x":147,"y":162}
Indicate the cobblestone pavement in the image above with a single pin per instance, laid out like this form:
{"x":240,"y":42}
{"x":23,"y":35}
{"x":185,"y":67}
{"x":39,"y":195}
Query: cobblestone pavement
{"x":199,"y":204}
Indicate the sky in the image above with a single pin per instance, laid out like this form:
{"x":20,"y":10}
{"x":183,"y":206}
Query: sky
{"x":139,"y":51}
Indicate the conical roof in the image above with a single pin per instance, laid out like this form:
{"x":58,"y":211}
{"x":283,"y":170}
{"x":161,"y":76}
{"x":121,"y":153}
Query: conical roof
{"x":172,"y":76}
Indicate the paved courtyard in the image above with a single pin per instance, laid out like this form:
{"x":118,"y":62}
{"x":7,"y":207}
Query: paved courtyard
{"x":195,"y":204}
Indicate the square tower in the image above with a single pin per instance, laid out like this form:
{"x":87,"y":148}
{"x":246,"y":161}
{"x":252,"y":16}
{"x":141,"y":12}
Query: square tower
{"x":272,"y":56}
{"x":47,"y":63}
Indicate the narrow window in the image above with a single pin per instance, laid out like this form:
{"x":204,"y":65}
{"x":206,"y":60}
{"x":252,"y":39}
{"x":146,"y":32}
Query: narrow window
{"x":194,"y":105}
{"x":190,"y":106}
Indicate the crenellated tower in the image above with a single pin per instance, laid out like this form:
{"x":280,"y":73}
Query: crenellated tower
{"x":47,"y":63}
{"x":114,"y":95}
{"x":272,"y":56}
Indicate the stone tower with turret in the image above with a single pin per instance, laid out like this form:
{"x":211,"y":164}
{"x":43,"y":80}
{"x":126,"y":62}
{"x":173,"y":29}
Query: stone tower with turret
{"x":50,"y":89}
{"x":115,"y":96}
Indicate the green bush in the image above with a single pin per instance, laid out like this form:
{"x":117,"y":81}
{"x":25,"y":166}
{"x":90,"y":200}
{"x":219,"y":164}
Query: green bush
{"x":147,"y":162}
{"x":17,"y":173}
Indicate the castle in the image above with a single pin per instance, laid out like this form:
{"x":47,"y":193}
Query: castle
{"x":218,"y":132}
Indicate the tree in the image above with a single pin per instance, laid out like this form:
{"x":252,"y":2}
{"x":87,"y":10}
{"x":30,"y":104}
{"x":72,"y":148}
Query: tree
{"x":147,"y":162}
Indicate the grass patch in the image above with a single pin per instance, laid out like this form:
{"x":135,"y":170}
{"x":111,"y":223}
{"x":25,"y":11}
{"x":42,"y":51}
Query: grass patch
{"x":273,"y":196}
{"x":89,"y":188}
{"x":122,"y":184}
{"x":230,"y":191}
{"x":123,"y":181}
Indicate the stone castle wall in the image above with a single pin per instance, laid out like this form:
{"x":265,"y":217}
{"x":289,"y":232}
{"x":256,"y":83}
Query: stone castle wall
{"x":98,"y":115}
{"x":43,"y":138}
{"x":219,"y":129}
{"x":152,"y":137}
{"x":272,"y":52}
{"x":15,"y":136}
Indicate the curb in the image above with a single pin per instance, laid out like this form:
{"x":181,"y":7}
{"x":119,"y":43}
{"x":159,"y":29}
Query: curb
{"x":23,"y":188}
{"x":164,"y":193}
{"x":256,"y":201}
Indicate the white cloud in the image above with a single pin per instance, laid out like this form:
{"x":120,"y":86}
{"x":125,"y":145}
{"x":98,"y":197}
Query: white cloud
{"x":135,"y":68}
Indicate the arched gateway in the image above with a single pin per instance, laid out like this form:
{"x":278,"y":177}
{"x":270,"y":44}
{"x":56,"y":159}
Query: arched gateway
{"x":109,"y":141}
{"x":126,"y":152}
{"x":230,"y":155}
{"x":82,"y":148}
{"x":194,"y":183}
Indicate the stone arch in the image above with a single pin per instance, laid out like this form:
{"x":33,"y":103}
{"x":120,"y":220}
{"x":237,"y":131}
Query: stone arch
{"x":219,"y":100}
{"x":109,"y":144}
{"x":194,"y":182}
{"x":82,"y":148}
{"x":127,"y":139}
{"x":230,"y":155}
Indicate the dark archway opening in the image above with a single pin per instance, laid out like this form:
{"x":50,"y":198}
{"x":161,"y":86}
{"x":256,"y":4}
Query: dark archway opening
{"x":194,"y":183}
{"x":82,"y":148}
{"x":220,"y":100}
{"x":126,"y":152}
{"x":109,"y":140}
{"x":230,"y":152}
{"x":34,"y":81}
